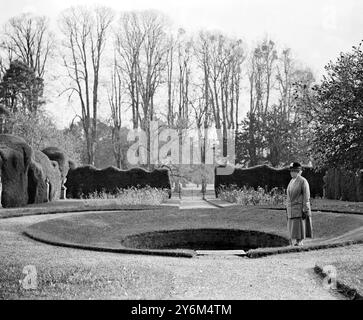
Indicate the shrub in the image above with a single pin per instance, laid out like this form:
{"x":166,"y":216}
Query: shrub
{"x":250,"y":196}
{"x":132,"y":196}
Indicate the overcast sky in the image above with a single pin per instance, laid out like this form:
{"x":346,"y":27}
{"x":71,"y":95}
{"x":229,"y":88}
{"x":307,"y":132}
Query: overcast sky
{"x":316,"y":30}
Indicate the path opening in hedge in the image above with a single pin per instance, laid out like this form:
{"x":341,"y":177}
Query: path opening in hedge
{"x":174,"y":232}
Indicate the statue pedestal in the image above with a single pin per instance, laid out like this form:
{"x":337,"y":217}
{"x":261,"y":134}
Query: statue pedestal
{"x":63,"y":194}
{"x":48,"y":190}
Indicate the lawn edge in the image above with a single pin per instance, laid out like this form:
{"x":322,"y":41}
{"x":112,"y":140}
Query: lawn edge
{"x":269,"y":207}
{"x":258,"y":253}
{"x":80,"y":210}
{"x":320,"y":210}
{"x":42,"y":237}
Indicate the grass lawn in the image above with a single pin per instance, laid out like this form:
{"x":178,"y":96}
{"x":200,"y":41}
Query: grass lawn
{"x":337,"y":205}
{"x":84,"y":282}
{"x":69,"y":205}
{"x":107,"y":229}
{"x":65,"y":273}
{"x":328,"y":205}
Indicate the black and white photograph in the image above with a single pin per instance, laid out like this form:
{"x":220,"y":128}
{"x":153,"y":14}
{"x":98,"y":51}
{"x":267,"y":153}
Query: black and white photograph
{"x":181,"y":156}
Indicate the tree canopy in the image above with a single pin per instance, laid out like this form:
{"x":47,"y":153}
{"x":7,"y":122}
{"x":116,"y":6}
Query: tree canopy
{"x":20,"y":88}
{"x":338,"y":114}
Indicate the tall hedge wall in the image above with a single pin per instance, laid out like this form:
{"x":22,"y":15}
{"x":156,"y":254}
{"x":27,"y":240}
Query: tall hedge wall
{"x":343,"y":185}
{"x":88,"y":179}
{"x":267,"y":177}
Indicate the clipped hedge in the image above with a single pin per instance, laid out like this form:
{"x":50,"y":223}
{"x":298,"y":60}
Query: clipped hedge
{"x":267,"y":177}
{"x":24,"y":172}
{"x":15,"y":158}
{"x":340,"y":184}
{"x":58,"y":155}
{"x":40,"y":169}
{"x":86,"y":180}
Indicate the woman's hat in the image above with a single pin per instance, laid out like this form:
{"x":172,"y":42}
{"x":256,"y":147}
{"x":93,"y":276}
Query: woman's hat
{"x":295,"y":166}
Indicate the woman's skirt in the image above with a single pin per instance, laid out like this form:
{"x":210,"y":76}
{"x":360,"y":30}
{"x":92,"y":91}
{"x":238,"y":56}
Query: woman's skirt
{"x":300,"y":228}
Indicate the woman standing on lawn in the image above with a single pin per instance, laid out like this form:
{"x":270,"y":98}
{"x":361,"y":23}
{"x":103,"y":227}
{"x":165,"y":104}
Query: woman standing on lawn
{"x":298,"y":209}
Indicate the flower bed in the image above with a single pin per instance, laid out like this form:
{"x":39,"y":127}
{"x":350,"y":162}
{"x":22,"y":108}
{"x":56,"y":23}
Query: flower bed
{"x":132,"y":196}
{"x":250,"y":196}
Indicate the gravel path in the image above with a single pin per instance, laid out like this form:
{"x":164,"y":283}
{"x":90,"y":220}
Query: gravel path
{"x":192,"y":203}
{"x":71,"y":274}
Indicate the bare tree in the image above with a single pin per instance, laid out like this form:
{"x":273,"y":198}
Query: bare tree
{"x":170,"y":82}
{"x":178,"y":82}
{"x":203,"y":119}
{"x":288,"y":118}
{"x":273,"y":129}
{"x":129,"y":38}
{"x":27,"y":38}
{"x":202,"y":106}
{"x":115,"y":95}
{"x":151,"y":66}
{"x":261,"y":76}
{"x":142,"y":49}
{"x":85,"y":33}
{"x":220,"y":59}
{"x":184,"y":52}
{"x":262,"y":73}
